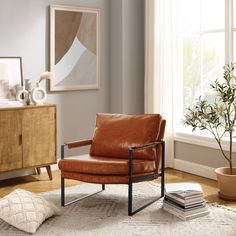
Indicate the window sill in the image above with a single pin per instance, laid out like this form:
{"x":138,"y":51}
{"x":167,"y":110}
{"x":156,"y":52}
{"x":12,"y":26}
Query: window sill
{"x":198,"y":138}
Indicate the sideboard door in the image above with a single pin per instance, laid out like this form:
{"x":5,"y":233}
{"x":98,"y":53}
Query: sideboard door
{"x":39,"y":136}
{"x":10,"y":140}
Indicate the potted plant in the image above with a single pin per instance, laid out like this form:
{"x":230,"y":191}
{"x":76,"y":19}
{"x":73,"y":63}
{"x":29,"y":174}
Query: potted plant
{"x":219,"y":118}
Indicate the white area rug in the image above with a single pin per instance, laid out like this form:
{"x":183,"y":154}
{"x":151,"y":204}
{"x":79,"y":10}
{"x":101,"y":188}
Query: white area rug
{"x":106,"y":214}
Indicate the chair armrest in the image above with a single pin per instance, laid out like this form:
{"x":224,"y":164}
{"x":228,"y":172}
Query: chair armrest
{"x":145,"y":146}
{"x":79,"y":143}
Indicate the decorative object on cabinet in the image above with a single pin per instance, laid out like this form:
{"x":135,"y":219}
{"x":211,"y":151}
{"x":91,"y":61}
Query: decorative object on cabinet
{"x":74,"y":61}
{"x":40,"y":90}
{"x":10,"y":77}
{"x":27,"y":137}
{"x":23,"y":95}
{"x":27,"y":83}
{"x":38,"y":95}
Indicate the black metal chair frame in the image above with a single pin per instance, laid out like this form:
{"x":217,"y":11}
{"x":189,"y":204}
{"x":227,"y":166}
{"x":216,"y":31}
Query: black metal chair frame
{"x":132,"y":179}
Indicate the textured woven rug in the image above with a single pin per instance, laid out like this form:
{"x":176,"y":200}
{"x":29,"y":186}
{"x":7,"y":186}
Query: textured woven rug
{"x":106,"y":214}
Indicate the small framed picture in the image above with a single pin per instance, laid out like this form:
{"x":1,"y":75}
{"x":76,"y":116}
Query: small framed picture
{"x":74,"y":48}
{"x":10,"y":77}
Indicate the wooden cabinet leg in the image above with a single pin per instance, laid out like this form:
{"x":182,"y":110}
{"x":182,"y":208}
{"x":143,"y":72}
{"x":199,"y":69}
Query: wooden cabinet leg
{"x":38,"y":170}
{"x":49,"y":172}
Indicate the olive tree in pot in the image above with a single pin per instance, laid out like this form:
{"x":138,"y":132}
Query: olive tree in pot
{"x":219,"y":118}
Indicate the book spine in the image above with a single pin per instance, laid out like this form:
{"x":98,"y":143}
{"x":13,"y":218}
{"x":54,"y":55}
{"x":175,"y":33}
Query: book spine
{"x":173,"y":198}
{"x":181,"y":205}
{"x":184,"y":201}
{"x":174,"y":213}
{"x":182,"y":217}
{"x":204,"y":213}
{"x":185,"y":213}
{"x":186,"y":197}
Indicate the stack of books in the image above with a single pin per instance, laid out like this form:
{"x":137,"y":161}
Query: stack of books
{"x":185,"y":200}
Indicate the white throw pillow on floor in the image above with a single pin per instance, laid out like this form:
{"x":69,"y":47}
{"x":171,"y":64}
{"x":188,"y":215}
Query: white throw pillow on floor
{"x":25,"y":210}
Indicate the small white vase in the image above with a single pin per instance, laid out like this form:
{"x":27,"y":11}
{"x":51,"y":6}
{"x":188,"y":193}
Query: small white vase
{"x":22,"y":95}
{"x":35,"y":92}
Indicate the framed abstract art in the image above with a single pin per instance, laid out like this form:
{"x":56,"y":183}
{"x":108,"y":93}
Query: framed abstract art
{"x":74,"y":48}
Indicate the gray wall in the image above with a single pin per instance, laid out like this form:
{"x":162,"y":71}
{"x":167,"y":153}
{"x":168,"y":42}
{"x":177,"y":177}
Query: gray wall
{"x":24,"y":31}
{"x":206,"y":156}
{"x":127,"y":56}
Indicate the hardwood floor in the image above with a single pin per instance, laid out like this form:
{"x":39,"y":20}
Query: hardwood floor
{"x":41,"y":183}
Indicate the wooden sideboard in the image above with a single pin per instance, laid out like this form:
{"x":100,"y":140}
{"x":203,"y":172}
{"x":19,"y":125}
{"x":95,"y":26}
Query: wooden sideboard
{"x":27,"y":137}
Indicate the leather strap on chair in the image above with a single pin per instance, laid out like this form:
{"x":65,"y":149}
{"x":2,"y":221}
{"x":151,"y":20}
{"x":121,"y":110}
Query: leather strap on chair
{"x":79,"y":143}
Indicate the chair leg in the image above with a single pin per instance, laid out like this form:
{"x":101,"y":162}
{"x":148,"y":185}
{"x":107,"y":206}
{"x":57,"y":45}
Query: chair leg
{"x":62,"y":191}
{"x":131,"y":179}
{"x":163,"y":170}
{"x":130,"y":198}
{"x":162,"y":183}
{"x":63,"y":203}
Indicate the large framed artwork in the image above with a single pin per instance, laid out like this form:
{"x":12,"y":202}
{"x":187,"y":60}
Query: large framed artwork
{"x":11,"y":78}
{"x":74,"y":48}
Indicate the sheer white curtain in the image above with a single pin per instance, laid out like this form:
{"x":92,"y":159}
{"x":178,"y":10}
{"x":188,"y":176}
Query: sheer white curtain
{"x":158,"y":66}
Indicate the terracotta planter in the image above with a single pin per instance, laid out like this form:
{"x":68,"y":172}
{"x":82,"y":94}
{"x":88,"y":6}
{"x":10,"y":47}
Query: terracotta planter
{"x":226,"y":183}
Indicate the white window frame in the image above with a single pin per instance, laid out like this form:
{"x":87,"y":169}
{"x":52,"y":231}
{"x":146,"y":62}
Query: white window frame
{"x":183,"y":134}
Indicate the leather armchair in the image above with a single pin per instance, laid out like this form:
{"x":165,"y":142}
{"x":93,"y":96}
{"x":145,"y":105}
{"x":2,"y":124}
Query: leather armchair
{"x":125,"y":149}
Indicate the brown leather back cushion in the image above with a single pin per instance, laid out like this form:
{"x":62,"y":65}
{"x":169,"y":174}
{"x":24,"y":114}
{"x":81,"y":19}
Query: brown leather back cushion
{"x":115,"y":133}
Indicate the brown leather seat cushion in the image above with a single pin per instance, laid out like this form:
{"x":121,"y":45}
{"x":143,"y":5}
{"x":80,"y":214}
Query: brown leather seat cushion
{"x":115,"y":134}
{"x":105,"y":165}
{"x":100,"y":179}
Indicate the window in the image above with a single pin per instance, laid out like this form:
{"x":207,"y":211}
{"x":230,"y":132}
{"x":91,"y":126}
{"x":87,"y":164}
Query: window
{"x":204,"y":32}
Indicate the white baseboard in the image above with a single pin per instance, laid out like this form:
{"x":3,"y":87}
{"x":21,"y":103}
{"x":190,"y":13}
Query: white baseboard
{"x":194,"y":168}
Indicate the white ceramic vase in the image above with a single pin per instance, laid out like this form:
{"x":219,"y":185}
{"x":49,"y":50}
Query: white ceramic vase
{"x":38,"y":91}
{"x":22,"y":95}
